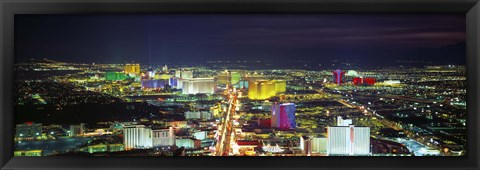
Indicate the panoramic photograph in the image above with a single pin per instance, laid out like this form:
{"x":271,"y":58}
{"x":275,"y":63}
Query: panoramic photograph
{"x":240,"y":85}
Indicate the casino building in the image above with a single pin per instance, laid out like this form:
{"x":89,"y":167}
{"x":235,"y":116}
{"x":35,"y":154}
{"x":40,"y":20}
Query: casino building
{"x":280,"y":86}
{"x":198,"y":85}
{"x":348,"y":140}
{"x":229,"y":77}
{"x":137,"y":137}
{"x":338,"y":76}
{"x":163,"y":137}
{"x":261,"y":89}
{"x":132,"y":69}
{"x":364,"y":81}
{"x":283,"y":116}
{"x":154,"y":84}
{"x":115,"y":76}
{"x":184,"y":74}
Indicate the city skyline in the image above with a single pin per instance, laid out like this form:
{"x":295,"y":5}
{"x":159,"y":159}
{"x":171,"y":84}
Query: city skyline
{"x":240,"y":85}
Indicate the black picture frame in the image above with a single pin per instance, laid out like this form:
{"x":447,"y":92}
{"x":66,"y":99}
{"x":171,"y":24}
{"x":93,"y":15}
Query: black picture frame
{"x":10,"y":8}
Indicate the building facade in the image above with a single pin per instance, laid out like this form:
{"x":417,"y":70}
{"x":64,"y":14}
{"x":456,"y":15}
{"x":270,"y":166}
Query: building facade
{"x":198,"y":85}
{"x":132,"y":69}
{"x":280,"y":86}
{"x":77,"y":130}
{"x":198,"y":115}
{"x":364,"y":81}
{"x":319,"y":145}
{"x":163,"y":137}
{"x":154,"y":84}
{"x":115,"y":76}
{"x":338,"y":76}
{"x":184,"y":74}
{"x":344,"y":122}
{"x":137,"y":137}
{"x":261,"y":89}
{"x":348,"y":141}
{"x":283,"y":116}
{"x":188,"y":143}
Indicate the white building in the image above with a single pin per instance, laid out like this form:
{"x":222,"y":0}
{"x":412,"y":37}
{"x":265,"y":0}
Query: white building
{"x":319,"y":145}
{"x":163,"y":137}
{"x":184,"y":74}
{"x":137,"y":137}
{"x":200,"y":135}
{"x":187,"y":143}
{"x":343,"y":122}
{"x":151,"y":73}
{"x":198,"y":85}
{"x":348,"y":140}
{"x":203,"y":115}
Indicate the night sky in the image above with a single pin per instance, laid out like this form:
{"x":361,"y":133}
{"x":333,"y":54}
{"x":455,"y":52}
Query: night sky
{"x":191,"y":38}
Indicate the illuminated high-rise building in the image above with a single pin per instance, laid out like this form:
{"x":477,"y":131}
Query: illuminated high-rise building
{"x":154,"y":84}
{"x":280,"y":86}
{"x":252,"y":77}
{"x":77,"y":130}
{"x":115,"y":76}
{"x":132,"y":69}
{"x":228,"y":77}
{"x":151,"y":73}
{"x":348,"y":140}
{"x":178,"y":73}
{"x":165,"y":68}
{"x":223,"y":78}
{"x":137,"y":137}
{"x":261,"y":89}
{"x":338,"y":76}
{"x":241,"y":84}
{"x":163,"y":137}
{"x":173,"y":82}
{"x":187,"y":74}
{"x":198,"y":85}
{"x":283,"y":116}
{"x":184,"y":74}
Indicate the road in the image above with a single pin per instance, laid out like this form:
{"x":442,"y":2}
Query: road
{"x":226,"y":138}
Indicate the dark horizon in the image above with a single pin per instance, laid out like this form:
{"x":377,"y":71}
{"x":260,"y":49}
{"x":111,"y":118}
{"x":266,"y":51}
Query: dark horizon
{"x":190,"y":39}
